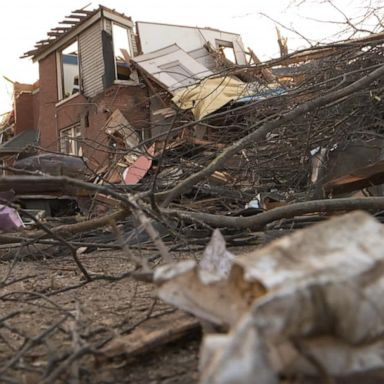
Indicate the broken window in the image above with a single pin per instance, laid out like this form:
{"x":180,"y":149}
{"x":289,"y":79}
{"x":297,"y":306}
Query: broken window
{"x":69,"y":71}
{"x":122,"y":51}
{"x":70,"y":140}
{"x":226,"y":47}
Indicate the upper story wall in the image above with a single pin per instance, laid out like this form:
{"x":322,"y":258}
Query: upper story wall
{"x":91,"y":56}
{"x":48,"y":97}
{"x":75,"y":69}
{"x":154,"y":36}
{"x":91,"y":60}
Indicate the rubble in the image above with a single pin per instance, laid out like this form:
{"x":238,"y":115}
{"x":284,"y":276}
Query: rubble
{"x":145,"y":149}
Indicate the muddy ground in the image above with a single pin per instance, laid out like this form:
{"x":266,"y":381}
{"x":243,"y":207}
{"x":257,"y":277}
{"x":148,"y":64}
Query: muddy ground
{"x":53,"y":324}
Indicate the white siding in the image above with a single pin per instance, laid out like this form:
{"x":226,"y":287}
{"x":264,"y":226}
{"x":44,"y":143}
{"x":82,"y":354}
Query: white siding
{"x":91,"y":60}
{"x":172,"y":67}
{"x":202,"y":56}
{"x":154,"y":36}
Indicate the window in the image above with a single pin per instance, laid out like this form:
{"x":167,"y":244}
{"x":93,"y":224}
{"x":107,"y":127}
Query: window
{"x":226,"y":47}
{"x":70,"y":140}
{"x":69,"y":71}
{"x":122,"y":51}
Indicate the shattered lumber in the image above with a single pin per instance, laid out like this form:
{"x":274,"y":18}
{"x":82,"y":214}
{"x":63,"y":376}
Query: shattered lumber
{"x":255,"y":167}
{"x":267,"y":127}
{"x":358,"y":179}
{"x":151,"y":334}
{"x":255,"y":222}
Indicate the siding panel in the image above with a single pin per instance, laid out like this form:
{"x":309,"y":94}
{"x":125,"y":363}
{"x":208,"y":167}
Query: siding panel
{"x":91,"y":60}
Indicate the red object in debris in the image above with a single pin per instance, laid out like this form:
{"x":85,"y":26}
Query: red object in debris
{"x":134,"y":173}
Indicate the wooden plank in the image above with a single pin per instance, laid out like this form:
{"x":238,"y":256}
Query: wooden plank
{"x":73,"y":22}
{"x":61,"y":28}
{"x":150,"y":334}
{"x":357,"y":179}
{"x":86,"y":12}
{"x":55,"y":34}
{"x":73,"y":16}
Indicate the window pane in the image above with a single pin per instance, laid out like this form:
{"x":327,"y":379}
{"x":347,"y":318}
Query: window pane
{"x":70,"y":68}
{"x":70,"y":140}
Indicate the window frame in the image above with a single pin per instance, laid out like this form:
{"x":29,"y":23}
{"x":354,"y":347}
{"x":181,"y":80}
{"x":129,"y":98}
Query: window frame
{"x":130,"y":46}
{"x":223,"y":44}
{"x":60,"y":70}
{"x":74,"y":140}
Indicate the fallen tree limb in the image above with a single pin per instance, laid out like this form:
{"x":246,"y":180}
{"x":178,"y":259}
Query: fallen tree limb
{"x":260,"y":133}
{"x":69,"y":230}
{"x":258,"y":222}
{"x":129,"y":206}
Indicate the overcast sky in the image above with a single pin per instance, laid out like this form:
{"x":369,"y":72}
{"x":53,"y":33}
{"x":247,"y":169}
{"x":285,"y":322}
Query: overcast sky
{"x":25,"y":22}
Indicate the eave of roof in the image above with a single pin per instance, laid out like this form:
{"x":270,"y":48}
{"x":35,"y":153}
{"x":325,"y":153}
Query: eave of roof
{"x":75,"y":23}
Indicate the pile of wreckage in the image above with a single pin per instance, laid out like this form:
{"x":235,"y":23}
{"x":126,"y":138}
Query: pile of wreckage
{"x":253,"y":151}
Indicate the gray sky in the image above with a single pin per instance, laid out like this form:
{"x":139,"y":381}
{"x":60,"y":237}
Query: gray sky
{"x":25,"y":22}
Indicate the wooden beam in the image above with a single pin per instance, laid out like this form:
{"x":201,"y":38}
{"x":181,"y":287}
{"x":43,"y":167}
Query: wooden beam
{"x":29,"y":53}
{"x":55,"y":33}
{"x":43,"y":41}
{"x":67,"y":37}
{"x":82,"y":11}
{"x":357,"y":179}
{"x":77,"y":17}
{"x":61,"y":29}
{"x":68,"y":22}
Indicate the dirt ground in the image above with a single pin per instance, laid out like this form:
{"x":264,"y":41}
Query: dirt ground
{"x":52,"y":323}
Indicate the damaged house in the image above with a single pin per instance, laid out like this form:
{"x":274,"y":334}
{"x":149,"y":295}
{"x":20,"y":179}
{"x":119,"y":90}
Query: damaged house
{"x":105,"y":84}
{"x":121,"y":94}
{"x":179,"y":132}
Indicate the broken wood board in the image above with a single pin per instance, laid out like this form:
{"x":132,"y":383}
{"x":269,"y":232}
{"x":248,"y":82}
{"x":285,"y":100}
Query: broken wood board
{"x":118,"y":125}
{"x":151,"y":334}
{"x":357,"y":179}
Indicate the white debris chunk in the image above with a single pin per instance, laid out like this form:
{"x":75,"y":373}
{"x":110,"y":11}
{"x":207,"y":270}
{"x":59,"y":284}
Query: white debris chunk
{"x":217,"y":260}
{"x":313,"y":296}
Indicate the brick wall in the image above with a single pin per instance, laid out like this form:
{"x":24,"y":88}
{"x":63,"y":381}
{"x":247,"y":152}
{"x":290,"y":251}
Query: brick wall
{"x":23,"y":112}
{"x":26,"y":105}
{"x":47,"y":100}
{"x":92,"y":114}
{"x":132,"y":102}
{"x":36,"y":108}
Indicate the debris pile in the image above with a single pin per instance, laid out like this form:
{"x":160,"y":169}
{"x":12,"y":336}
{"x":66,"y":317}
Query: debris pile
{"x":165,"y":146}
